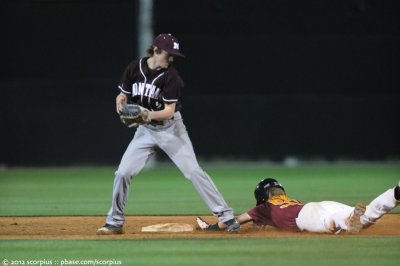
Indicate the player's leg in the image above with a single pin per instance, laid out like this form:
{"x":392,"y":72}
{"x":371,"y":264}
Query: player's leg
{"x":324,"y":217}
{"x":133,"y":161}
{"x":381,"y":205}
{"x":313,"y":217}
{"x":353,"y":219}
{"x":348,"y":218}
{"x":178,"y":147}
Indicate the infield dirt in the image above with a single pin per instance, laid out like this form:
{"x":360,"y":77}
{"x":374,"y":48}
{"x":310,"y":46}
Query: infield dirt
{"x":84,"y":227}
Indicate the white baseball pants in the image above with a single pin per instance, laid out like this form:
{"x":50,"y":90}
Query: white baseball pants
{"x":330,"y":216}
{"x":172,"y":138}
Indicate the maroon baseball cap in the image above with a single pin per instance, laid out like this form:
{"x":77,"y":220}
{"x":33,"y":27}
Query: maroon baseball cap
{"x":168,"y":43}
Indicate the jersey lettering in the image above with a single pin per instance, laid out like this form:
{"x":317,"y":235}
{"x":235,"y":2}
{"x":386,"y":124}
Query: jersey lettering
{"x":143,"y":89}
{"x":149,"y":88}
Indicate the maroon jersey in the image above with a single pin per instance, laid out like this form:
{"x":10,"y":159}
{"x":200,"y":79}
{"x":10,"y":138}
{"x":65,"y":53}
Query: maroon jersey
{"x":279,"y":211}
{"x":149,"y":88}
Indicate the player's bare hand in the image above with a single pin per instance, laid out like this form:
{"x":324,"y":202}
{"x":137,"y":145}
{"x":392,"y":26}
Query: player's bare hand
{"x":146,"y":115}
{"x":120,"y":101}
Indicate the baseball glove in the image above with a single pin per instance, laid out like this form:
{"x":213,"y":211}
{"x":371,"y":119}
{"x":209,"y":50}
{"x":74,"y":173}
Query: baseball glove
{"x":203,"y":225}
{"x":134,"y":115}
{"x":232,"y":226}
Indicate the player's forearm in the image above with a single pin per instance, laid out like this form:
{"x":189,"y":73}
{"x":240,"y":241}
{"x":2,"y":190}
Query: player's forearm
{"x":165,"y":114}
{"x":120,"y":101}
{"x":242,"y":219}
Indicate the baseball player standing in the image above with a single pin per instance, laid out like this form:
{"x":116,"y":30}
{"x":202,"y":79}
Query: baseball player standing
{"x":155,"y":85}
{"x":275,"y":208}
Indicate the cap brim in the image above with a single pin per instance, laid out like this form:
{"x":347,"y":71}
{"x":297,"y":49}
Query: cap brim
{"x":175,"y":53}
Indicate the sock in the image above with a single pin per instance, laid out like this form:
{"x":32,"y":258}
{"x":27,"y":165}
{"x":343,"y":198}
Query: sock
{"x":397,"y":193}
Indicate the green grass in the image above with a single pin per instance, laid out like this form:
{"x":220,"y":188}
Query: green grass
{"x":164,"y":191}
{"x":87,"y":191}
{"x":234,"y":251}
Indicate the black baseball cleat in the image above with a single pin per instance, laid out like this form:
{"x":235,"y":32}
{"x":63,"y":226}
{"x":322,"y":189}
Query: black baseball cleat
{"x":109,"y":229}
{"x":232,"y":226}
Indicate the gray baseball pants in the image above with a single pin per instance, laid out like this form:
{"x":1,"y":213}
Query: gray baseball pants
{"x":173,"y":139}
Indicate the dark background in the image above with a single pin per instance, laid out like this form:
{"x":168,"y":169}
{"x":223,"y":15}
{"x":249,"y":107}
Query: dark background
{"x":264,"y":79}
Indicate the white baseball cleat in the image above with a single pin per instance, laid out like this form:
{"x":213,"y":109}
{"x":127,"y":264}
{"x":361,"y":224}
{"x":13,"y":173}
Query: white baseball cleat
{"x":109,"y":229}
{"x":354,"y":224}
